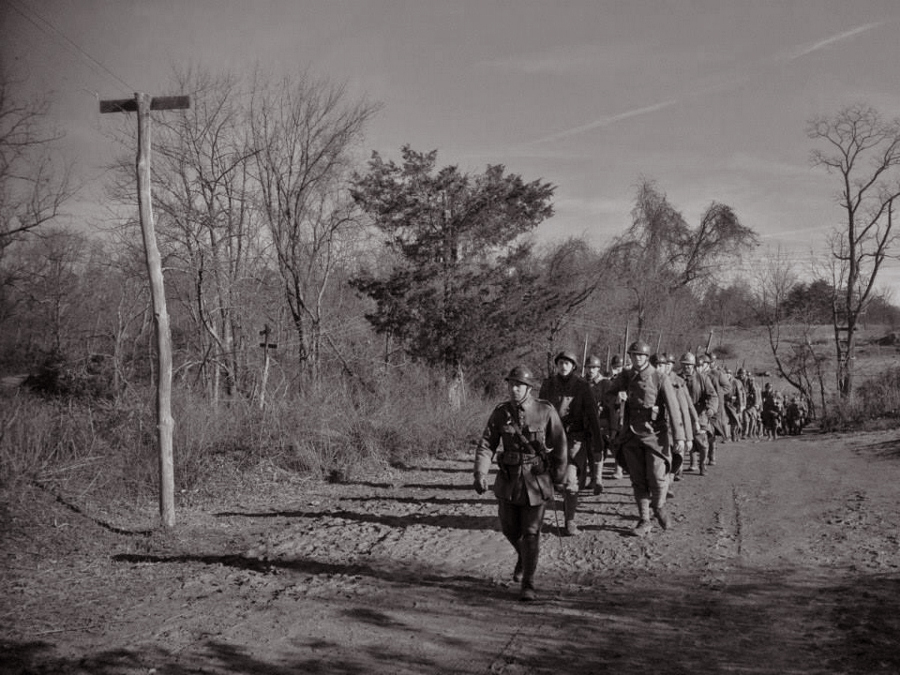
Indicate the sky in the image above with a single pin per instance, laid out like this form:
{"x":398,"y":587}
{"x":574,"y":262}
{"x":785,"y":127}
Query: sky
{"x":708,"y":98}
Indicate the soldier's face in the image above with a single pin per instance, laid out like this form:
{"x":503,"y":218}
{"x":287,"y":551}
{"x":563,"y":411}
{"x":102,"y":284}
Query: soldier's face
{"x":594,"y":372}
{"x":689,"y":368}
{"x":640,"y":360}
{"x":564,"y":367}
{"x":518,"y":391}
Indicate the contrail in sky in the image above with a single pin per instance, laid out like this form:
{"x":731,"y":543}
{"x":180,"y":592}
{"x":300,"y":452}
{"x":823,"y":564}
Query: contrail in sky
{"x":816,"y":46}
{"x":606,"y":121}
{"x":797,"y":53}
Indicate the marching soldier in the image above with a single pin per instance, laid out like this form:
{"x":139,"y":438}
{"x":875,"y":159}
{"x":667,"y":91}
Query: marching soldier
{"x":688,"y":413}
{"x":653,"y":430}
{"x":531,"y":461}
{"x":616,"y":411}
{"x":706,"y":402}
{"x":574,"y":401}
{"x":717,"y":421}
{"x":606,"y":413}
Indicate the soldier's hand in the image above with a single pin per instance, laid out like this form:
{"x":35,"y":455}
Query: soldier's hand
{"x":679,"y":447}
{"x":480,"y":484}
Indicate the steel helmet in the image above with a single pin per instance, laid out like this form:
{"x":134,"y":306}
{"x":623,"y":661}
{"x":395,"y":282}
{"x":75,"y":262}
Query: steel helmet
{"x":704,"y":358}
{"x":615,"y":361}
{"x":639,"y":347}
{"x":740,"y":372}
{"x":594,"y":362}
{"x":688,"y":359}
{"x":568,"y":356}
{"x":521,"y":374}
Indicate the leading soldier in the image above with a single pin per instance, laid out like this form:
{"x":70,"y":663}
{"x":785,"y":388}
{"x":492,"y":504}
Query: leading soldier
{"x":652,"y":418}
{"x":532,"y":460}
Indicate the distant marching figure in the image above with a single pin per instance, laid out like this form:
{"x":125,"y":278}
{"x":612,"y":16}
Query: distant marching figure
{"x":533,"y":458}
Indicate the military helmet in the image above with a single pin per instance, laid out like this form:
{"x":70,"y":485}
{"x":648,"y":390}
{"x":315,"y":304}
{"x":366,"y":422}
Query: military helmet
{"x":521,"y":374}
{"x":615,"y":361}
{"x":688,"y":359}
{"x":704,"y":358}
{"x":639,"y":347}
{"x":568,"y":356}
{"x":741,"y":372}
{"x":594,"y":362}
{"x":659,"y":359}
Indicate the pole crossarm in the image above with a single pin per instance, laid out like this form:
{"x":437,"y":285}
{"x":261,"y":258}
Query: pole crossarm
{"x":156,"y":103}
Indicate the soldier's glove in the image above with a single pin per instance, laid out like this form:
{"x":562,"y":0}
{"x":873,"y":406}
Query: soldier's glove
{"x":480,"y":484}
{"x":540,"y":466}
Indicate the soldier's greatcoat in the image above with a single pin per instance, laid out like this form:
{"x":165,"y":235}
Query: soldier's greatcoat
{"x":523,"y":476}
{"x":652,"y":412}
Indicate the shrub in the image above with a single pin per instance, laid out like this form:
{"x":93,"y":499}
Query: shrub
{"x":108,"y":450}
{"x":875,"y":403}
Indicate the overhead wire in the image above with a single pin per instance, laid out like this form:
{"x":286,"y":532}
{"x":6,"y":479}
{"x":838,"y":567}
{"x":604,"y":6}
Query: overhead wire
{"x":47,"y":27}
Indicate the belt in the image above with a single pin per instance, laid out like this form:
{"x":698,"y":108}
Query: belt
{"x":513,"y":458}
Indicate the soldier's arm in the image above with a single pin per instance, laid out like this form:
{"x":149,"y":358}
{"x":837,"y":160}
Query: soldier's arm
{"x":676,"y":421}
{"x":712,"y":397}
{"x":487,"y":446}
{"x":555,"y":440}
{"x":593,"y":421}
{"x":691,"y":418}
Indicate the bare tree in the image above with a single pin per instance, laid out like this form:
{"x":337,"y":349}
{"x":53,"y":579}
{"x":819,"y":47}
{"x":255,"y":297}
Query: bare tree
{"x":863,"y":151}
{"x":789,"y":332}
{"x":52,"y":268}
{"x":204,"y":193}
{"x":33,"y":187}
{"x":660,"y":254}
{"x":209,"y":230}
{"x":305,"y":132}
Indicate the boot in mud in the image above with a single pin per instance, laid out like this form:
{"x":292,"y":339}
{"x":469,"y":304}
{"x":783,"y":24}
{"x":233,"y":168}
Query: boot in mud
{"x":530,"y":548}
{"x":644,"y":525}
{"x":570,"y":505}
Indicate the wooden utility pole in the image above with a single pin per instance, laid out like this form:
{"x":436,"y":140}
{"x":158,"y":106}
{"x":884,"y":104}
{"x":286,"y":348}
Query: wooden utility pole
{"x":266,"y":345}
{"x":143,"y":104}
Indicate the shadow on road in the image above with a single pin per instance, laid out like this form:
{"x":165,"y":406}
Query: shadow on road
{"x":792,"y":620}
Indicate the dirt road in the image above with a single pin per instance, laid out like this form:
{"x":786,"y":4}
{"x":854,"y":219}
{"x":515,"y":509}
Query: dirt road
{"x":785,"y":558}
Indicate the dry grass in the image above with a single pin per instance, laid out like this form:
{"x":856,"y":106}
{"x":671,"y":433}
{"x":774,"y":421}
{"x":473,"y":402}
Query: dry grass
{"x":86,"y":450}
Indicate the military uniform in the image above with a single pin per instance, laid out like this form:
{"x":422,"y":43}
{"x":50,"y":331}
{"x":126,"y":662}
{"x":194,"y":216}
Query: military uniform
{"x":607,"y":415}
{"x":653,"y":426}
{"x":574,"y":401}
{"x":706,"y":402}
{"x":689,"y":417}
{"x":532,"y":458}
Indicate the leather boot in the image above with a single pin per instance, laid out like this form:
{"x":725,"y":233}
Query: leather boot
{"x":530,"y":548}
{"x":644,"y":525}
{"x":597,"y":477}
{"x":662,"y":516}
{"x":517,"y":571}
{"x":570,"y":505}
